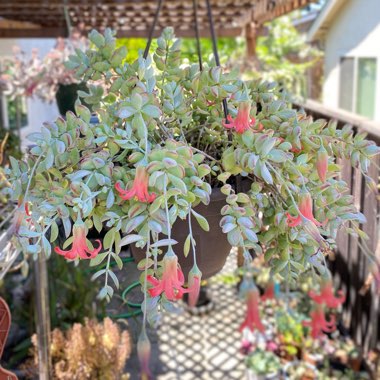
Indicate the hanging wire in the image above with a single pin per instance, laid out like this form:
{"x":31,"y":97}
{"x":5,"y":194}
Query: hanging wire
{"x":67,"y":18}
{"x":151,"y":32}
{"x":196,"y":25}
{"x":215,"y":49}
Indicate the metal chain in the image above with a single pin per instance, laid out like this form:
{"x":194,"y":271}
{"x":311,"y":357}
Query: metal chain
{"x":151,"y":32}
{"x":215,"y":49}
{"x":196,"y":25}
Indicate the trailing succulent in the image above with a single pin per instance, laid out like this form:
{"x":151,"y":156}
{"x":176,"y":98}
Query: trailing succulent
{"x":161,"y":143}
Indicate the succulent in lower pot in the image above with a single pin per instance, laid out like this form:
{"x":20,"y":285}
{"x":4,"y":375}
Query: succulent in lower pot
{"x":263,"y":364}
{"x":162,"y":143}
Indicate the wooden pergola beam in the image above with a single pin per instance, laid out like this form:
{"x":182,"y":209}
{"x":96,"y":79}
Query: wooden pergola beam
{"x":62,"y":32}
{"x":133,"y":19}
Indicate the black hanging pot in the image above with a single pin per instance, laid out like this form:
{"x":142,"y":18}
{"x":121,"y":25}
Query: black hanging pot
{"x":67,"y":95}
{"x":212,"y":247}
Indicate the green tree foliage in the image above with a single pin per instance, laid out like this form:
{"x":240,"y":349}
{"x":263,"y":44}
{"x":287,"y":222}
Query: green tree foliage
{"x":284,"y":56}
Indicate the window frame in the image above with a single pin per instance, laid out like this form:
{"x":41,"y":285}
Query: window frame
{"x":356,"y":79}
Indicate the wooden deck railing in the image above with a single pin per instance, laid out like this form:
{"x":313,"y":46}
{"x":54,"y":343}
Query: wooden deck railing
{"x":361,"y":311}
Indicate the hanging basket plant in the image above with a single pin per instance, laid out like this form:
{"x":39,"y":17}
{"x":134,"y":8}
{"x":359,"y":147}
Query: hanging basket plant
{"x":163,"y":142}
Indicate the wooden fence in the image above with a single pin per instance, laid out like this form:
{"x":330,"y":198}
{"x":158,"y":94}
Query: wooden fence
{"x":361,"y":311}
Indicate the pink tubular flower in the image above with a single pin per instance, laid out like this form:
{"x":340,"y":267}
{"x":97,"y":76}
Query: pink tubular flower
{"x":326,"y":296}
{"x":143,"y":352}
{"x":172,"y":280}
{"x":139,"y":188}
{"x":252,"y":319}
{"x":79,"y":248}
{"x":243,"y":121}
{"x":318,"y":323}
{"x":269,"y":292}
{"x":322,"y":163}
{"x":306,"y":209}
{"x":194,"y":285}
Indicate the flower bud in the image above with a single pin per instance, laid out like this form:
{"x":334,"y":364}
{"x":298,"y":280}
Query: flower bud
{"x":143,"y":352}
{"x":194,"y":285}
{"x":322,"y":163}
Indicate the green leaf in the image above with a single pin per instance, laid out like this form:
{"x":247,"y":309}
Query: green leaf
{"x":136,"y":101}
{"x":118,"y":260}
{"x":53,"y":232}
{"x":152,"y":111}
{"x":96,"y":38}
{"x":178,"y":183}
{"x":268,"y":145}
{"x":98,"y":259}
{"x":109,"y":238}
{"x":114,"y":278}
{"x":46,"y":246}
{"x":202,"y":221}
{"x":110,"y":199}
{"x":83,"y":112}
{"x":129,"y":239}
{"x":277,"y":155}
{"x":265,"y":174}
{"x":102,"y":294}
{"x":145,"y":263}
{"x":98,"y":274}
{"x":97,"y":222}
{"x":163,"y":243}
{"x":186,"y":246}
{"x":126,"y":112}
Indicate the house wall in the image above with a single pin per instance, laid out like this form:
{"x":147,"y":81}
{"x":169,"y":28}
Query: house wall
{"x":38,"y":111}
{"x":354,"y":32}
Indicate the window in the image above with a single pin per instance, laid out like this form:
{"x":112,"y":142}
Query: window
{"x":357,"y":89}
{"x":366,"y":87}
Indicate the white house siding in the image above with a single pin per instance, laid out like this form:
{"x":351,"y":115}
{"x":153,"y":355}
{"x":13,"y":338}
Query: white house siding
{"x":355,"y":32}
{"x":38,"y":111}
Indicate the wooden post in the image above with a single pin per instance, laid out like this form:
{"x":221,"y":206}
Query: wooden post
{"x":250,"y":36}
{"x":240,"y":257}
{"x":42,"y":316}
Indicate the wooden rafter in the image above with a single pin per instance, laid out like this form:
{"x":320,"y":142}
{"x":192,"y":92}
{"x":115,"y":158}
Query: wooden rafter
{"x":133,"y":18}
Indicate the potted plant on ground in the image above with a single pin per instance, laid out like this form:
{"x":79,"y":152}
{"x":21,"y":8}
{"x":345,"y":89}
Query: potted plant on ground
{"x":163,"y":149}
{"x":263,"y":365}
{"x":313,"y":352}
{"x":291,"y":334}
{"x":92,"y":350}
{"x":299,"y":370}
{"x":46,"y":78}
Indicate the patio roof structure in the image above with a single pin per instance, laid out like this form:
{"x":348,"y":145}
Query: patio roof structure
{"x":48,"y":18}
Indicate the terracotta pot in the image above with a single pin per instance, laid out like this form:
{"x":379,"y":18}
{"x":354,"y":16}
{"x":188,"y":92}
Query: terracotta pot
{"x":355,"y":363}
{"x":212,"y":246}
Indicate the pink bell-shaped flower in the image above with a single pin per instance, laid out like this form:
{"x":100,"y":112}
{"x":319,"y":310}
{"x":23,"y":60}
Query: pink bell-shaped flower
{"x":171,"y":283}
{"x":269,"y":293}
{"x":143,"y":353}
{"x":242,"y":121}
{"x":79,"y":248}
{"x":252,"y":319}
{"x":194,"y":285}
{"x":322,"y":163}
{"x":306,"y":209}
{"x":139,"y":189}
{"x":326,"y":296}
{"x":318,"y":323}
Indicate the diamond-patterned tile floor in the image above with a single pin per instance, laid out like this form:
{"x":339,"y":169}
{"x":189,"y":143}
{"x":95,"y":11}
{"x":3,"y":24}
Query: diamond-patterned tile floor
{"x":193,"y":347}
{"x":198,"y":347}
